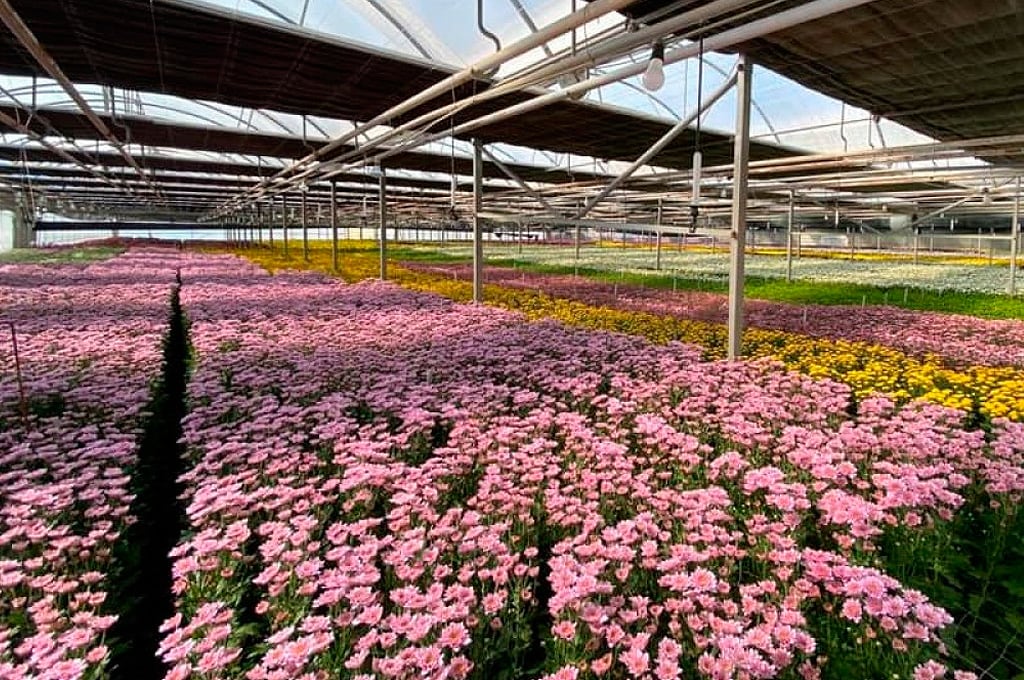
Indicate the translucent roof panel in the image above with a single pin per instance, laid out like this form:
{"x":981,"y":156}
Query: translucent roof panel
{"x":445,"y":31}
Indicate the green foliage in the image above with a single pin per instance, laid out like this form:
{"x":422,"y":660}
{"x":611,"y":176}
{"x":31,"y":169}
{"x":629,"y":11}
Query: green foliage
{"x":47,"y":406}
{"x":83,"y":255}
{"x":972,"y":567}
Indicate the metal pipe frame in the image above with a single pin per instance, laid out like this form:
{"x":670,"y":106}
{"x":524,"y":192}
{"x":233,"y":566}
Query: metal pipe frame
{"x":334,"y":229}
{"x":1014,"y":241}
{"x":27,"y":38}
{"x":305,"y":228}
{"x":811,"y":183}
{"x":590,"y":12}
{"x":478,"y":238}
{"x":588,"y":56}
{"x":383,"y":232}
{"x":809,"y":11}
{"x":659,"y":145}
{"x":790,"y":215}
{"x":518,"y":180}
{"x":738,"y":233}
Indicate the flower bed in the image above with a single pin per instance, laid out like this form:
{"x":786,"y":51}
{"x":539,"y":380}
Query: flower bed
{"x":388,"y":484}
{"x":984,"y":391}
{"x":958,"y":339}
{"x":715,"y":267}
{"x":89,"y":348}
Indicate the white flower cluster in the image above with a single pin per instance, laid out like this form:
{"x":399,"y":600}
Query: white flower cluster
{"x":715,"y":267}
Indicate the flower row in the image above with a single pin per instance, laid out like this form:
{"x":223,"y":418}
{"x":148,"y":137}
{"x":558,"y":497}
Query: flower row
{"x":387,"y":484}
{"x":869,"y":367}
{"x":943,"y":275}
{"x":89,"y":347}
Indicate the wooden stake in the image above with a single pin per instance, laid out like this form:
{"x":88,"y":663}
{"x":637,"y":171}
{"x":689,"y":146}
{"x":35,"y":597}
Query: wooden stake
{"x":23,"y":403}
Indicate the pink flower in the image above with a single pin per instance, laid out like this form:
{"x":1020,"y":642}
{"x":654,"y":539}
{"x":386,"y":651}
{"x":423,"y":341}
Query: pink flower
{"x":600,"y":666}
{"x":454,"y":636}
{"x":930,"y":670}
{"x":852,"y":610}
{"x":564,"y":629}
{"x":636,"y":661}
{"x":563,"y":673}
{"x":493,"y":602}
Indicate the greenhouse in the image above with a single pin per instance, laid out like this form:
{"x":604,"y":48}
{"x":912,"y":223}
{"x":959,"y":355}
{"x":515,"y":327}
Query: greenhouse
{"x":540,"y":339}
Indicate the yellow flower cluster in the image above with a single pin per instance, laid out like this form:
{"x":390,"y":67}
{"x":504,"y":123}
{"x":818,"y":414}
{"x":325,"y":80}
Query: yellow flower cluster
{"x":866,"y":368}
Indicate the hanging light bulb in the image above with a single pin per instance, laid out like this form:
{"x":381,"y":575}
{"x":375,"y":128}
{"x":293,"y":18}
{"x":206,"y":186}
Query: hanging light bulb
{"x":695,"y":197}
{"x":698,"y":160}
{"x":654,"y":76}
{"x":986,"y":196}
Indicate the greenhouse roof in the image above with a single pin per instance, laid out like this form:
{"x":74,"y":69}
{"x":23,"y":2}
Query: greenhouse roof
{"x":150,"y":132}
{"x":176,"y":47}
{"x":250,"y":88}
{"x":950,"y":69}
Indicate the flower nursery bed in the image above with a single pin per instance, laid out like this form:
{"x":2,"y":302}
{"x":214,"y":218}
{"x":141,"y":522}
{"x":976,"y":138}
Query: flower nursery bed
{"x":72,"y":409}
{"x":384,"y":483}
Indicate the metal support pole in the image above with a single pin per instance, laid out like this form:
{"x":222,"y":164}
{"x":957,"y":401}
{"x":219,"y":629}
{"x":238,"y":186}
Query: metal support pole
{"x":1014,"y":240}
{"x":917,"y":243}
{"x":334,"y":229}
{"x":737,"y":237}
{"x":789,"y":239}
{"x":259,"y":231}
{"x":657,"y":247}
{"x":478,"y":237}
{"x":383,"y":232}
{"x":305,"y":230}
{"x":270,"y":223}
{"x":578,"y":228}
{"x":284,"y":221}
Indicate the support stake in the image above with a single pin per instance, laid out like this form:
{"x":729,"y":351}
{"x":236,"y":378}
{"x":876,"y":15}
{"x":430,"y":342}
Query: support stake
{"x":22,"y":402}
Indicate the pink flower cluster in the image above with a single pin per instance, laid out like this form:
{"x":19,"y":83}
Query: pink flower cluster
{"x":958,"y":339}
{"x":89,"y":342}
{"x":388,"y":484}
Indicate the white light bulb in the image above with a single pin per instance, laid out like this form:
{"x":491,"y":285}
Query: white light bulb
{"x":697,"y":163}
{"x":654,"y":77}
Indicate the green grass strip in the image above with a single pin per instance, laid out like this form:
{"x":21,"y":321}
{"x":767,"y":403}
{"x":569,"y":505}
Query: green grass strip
{"x":59,"y":255}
